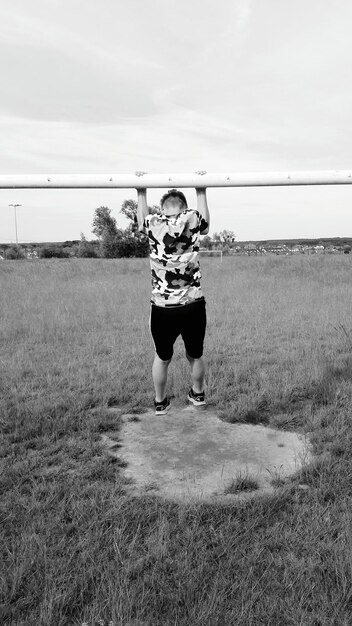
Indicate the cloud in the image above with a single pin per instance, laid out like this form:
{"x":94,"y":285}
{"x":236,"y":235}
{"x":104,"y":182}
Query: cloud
{"x":242,"y":11}
{"x":52,"y":71}
{"x":45,"y":32}
{"x":53,"y":86}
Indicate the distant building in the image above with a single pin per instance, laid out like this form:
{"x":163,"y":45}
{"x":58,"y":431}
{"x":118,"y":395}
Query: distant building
{"x":332,"y":250}
{"x":250,"y":248}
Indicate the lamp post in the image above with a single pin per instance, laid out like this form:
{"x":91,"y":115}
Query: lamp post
{"x":14,"y":206}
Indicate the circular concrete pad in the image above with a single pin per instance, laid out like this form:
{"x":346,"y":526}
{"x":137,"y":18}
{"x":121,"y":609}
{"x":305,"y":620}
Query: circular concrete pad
{"x":191,"y":455}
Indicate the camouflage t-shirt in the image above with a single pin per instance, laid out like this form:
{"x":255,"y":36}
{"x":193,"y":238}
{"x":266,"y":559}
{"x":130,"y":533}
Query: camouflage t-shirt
{"x":174,"y":262}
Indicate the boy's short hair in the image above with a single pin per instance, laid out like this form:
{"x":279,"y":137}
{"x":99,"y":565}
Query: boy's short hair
{"x":174,"y":193}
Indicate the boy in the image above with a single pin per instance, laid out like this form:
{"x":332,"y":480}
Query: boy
{"x":177,"y":302}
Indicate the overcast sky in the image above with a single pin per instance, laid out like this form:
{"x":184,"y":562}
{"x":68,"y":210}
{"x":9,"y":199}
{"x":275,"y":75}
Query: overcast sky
{"x":166,"y":86}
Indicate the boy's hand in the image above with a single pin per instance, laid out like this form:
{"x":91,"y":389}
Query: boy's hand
{"x":140,"y":173}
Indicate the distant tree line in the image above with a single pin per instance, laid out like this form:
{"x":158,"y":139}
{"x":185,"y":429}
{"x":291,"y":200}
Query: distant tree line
{"x":114,"y":242}
{"x":111,"y":241}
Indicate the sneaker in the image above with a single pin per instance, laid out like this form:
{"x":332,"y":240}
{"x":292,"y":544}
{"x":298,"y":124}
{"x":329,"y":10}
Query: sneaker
{"x":196,"y":398}
{"x":162,"y":407}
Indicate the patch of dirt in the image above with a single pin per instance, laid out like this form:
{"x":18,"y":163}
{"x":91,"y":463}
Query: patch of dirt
{"x":191,"y":455}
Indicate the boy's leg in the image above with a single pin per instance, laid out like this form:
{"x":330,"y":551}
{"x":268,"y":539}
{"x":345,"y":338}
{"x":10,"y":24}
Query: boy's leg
{"x":197,"y":373}
{"x":164,"y":332}
{"x":193,"y":332}
{"x":159,"y":373}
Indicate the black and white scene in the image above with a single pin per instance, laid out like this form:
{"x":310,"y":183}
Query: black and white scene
{"x":175,"y":313}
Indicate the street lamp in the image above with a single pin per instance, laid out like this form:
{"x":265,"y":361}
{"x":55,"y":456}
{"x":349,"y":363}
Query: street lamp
{"x":14,"y":206}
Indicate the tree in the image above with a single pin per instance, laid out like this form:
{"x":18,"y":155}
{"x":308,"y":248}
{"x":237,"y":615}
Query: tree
{"x":15,"y":253}
{"x":129,"y":210}
{"x":103,"y":222}
{"x":53,"y":251}
{"x":207,"y":242}
{"x":115,"y":242}
{"x":104,"y":226}
{"x":109,"y":244}
{"x":225,"y":236}
{"x":86,"y":249}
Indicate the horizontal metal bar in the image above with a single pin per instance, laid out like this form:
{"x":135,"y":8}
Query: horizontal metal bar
{"x":140,"y":180}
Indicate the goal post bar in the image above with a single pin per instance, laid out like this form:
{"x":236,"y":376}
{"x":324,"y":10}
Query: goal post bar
{"x":140,"y":180}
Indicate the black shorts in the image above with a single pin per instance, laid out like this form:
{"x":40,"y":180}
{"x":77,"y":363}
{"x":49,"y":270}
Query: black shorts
{"x":188,"y":320}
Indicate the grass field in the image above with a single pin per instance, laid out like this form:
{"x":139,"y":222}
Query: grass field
{"x":75,"y":549}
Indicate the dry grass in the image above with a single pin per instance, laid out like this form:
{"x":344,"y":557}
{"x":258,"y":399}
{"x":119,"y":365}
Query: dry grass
{"x":74,"y":336}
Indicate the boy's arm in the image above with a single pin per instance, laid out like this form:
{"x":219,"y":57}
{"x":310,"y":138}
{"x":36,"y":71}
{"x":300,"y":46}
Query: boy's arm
{"x":202,"y":208}
{"x":142,"y":208}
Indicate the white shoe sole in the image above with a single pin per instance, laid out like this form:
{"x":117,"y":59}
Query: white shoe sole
{"x":196,"y":403}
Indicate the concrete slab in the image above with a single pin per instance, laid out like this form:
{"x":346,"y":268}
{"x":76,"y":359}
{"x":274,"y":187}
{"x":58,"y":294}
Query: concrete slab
{"x":191,"y":455}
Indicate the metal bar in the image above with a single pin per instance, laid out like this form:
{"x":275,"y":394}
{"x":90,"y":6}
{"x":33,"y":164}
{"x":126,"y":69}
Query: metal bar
{"x":140,"y":180}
